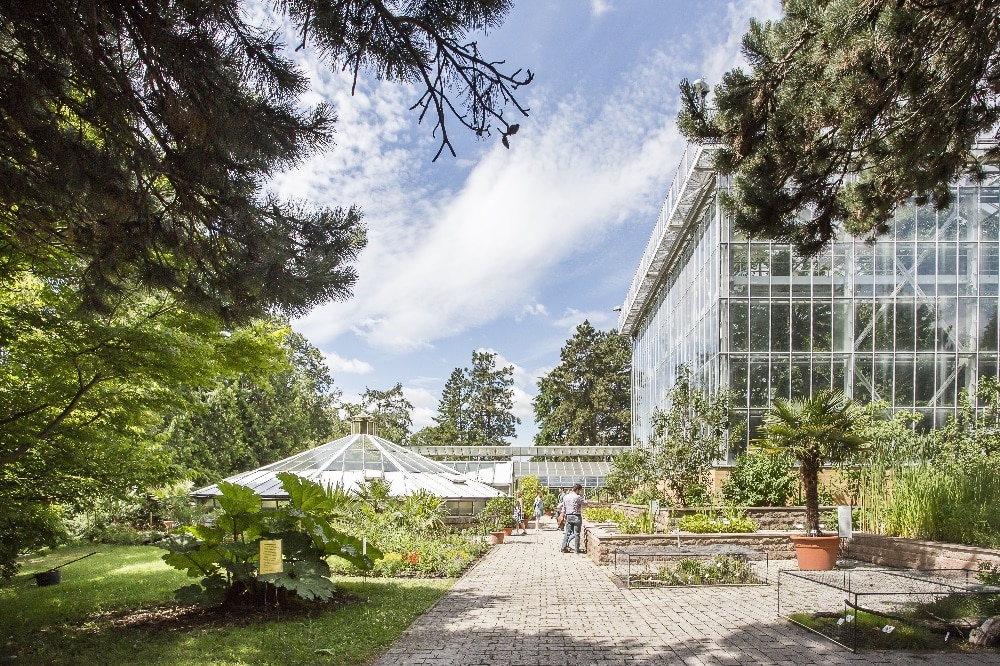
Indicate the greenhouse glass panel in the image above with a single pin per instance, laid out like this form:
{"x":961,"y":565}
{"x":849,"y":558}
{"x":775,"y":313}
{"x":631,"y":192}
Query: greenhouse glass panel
{"x":801,"y":327}
{"x":800,"y":380}
{"x":905,"y":272}
{"x":739,"y":325}
{"x":923,"y":394}
{"x":905,"y":333}
{"x":822,"y":334}
{"x":780,"y":326}
{"x":946,"y":322}
{"x":884,"y":333}
{"x":903,"y":393}
{"x":926,"y":327}
{"x":987,"y":325}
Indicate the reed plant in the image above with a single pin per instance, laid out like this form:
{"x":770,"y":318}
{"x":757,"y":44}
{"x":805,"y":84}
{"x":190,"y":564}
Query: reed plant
{"x":941,"y":486}
{"x":946,"y":503}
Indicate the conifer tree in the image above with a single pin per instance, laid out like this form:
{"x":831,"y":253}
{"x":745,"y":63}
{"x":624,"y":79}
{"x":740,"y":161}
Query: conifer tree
{"x":475,"y":406}
{"x":849,"y":108}
{"x":139,"y":137}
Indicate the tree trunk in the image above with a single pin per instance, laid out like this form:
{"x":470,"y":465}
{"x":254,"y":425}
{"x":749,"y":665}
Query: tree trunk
{"x":988,"y":634}
{"x":810,"y":482}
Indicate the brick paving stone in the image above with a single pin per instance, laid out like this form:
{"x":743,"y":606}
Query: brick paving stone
{"x":526,"y":604}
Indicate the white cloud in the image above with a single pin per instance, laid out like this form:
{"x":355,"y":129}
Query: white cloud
{"x":458,"y":245}
{"x":434,"y":268}
{"x":572,"y":318}
{"x":339,"y":364}
{"x":523,"y":410}
{"x":599,"y":7}
{"x":425,"y":406}
{"x":532,"y":310}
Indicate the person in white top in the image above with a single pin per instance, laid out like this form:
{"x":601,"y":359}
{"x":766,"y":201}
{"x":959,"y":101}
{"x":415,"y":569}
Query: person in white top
{"x":572,"y":505}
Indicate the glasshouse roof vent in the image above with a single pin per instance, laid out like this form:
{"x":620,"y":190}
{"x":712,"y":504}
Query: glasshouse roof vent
{"x":363,"y":424}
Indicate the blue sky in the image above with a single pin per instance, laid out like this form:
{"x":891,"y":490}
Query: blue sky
{"x":509,"y":250}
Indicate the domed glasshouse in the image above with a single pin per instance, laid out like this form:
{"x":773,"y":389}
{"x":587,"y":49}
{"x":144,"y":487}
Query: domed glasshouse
{"x":360,"y":457}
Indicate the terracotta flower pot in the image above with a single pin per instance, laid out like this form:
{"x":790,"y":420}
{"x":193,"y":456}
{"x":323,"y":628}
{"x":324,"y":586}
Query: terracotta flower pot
{"x":816,"y":553}
{"x":496,"y":538}
{"x":507,"y":531}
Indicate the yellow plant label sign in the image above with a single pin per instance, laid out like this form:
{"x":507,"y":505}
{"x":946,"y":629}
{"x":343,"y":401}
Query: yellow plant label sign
{"x":270,"y":556}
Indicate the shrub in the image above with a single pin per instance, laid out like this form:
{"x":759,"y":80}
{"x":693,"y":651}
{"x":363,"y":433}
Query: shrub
{"x":529,"y":485}
{"x":732,"y":521}
{"x":721,"y":570}
{"x":27,"y":526}
{"x":226,"y":555}
{"x":642,"y":524}
{"x":497,"y":514}
{"x":989,"y":573}
{"x":603,"y":514}
{"x":760,"y":479}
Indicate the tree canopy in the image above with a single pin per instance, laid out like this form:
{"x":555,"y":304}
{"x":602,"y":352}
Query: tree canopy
{"x":475,"y":406}
{"x":391,"y":411}
{"x":586,"y":399}
{"x":246,"y":421}
{"x":140,"y":136}
{"x":851,"y":107}
{"x":84,"y":392}
{"x":689,"y":436}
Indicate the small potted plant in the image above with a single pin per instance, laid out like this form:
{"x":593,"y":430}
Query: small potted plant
{"x":824,"y":428}
{"x":551,"y":501}
{"x":496,"y":516}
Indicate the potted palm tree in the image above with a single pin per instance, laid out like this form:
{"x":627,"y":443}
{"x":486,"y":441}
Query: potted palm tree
{"x":824,"y":428}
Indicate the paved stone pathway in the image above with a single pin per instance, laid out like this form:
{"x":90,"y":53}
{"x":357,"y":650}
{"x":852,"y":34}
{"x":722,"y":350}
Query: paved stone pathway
{"x":527,"y":604}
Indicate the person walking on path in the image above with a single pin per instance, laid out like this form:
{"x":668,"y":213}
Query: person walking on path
{"x":560,"y":513}
{"x":573,"y":507}
{"x":539,"y":510}
{"x":519,"y":520}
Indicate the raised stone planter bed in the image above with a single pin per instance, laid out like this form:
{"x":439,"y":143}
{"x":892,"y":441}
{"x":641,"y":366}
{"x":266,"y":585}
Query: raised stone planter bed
{"x":602,"y":540}
{"x":775,"y":518}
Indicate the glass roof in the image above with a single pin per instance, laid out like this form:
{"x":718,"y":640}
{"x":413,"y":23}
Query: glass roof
{"x":350,"y":460}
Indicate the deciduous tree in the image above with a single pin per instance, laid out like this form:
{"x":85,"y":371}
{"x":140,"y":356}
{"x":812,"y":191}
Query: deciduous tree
{"x":586,"y":399}
{"x":84,"y":391}
{"x":247,"y":421}
{"x":689,"y":436}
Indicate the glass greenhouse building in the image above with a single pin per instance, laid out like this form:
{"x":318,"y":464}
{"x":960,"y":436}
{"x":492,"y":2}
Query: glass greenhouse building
{"x":910,"y":319}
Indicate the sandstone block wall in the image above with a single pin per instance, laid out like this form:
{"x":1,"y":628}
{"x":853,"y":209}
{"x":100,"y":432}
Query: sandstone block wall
{"x":917,"y":554}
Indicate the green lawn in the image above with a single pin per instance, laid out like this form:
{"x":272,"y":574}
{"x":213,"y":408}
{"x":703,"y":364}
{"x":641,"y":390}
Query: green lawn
{"x":93,"y":616}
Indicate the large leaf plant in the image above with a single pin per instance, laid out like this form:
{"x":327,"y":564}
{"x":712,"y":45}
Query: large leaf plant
{"x":226,"y":555}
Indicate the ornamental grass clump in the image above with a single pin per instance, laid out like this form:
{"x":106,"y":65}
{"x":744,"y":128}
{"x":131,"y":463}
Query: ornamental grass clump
{"x":641,"y":524}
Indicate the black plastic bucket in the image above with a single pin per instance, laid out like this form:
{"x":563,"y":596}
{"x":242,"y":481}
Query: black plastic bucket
{"x":46,"y":578}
